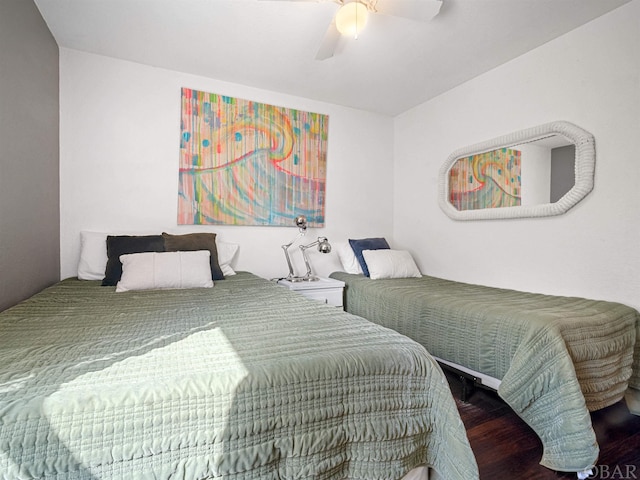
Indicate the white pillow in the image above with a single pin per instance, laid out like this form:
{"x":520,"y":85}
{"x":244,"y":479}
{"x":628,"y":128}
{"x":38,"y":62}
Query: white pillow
{"x":226,"y":252}
{"x":347,"y":258}
{"x":93,"y":255}
{"x":156,"y":270}
{"x":387,"y":263}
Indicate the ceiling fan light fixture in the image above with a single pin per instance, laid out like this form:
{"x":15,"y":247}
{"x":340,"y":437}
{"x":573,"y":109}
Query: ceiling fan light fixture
{"x":352,"y":18}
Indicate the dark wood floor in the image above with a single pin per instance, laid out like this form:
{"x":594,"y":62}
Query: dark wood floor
{"x":506,"y":448}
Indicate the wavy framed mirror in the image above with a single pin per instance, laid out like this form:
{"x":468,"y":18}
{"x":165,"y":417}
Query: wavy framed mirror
{"x":537,"y":172}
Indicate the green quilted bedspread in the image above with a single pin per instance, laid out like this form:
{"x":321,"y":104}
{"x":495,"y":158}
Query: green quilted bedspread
{"x":557,"y":357}
{"x":245,"y":380}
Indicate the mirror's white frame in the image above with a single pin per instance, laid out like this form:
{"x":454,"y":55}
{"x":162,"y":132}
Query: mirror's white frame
{"x":584,"y":171}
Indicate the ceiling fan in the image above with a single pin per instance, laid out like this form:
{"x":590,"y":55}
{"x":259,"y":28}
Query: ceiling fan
{"x":351,"y":18}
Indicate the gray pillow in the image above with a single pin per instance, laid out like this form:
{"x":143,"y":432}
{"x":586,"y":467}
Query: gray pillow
{"x":195,"y":241}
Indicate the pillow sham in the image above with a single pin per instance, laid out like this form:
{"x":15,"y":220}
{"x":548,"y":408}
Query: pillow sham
{"x":347,"y":258}
{"x":93,"y":255}
{"x":387,"y":263}
{"x":118,"y":245}
{"x":226,"y":252}
{"x":359,"y":245}
{"x":195,"y":241}
{"x":164,"y":270}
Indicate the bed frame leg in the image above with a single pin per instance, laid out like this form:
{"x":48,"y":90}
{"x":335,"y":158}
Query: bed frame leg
{"x":469,"y":381}
{"x":467,"y":388}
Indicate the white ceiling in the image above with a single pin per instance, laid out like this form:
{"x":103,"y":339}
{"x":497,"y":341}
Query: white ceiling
{"x":394,"y":65}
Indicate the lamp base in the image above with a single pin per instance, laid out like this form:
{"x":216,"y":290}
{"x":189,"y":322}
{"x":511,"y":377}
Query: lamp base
{"x":306,"y":278}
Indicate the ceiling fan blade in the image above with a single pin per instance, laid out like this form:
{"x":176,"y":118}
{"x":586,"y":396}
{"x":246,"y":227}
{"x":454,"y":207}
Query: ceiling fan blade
{"x":329,"y":42}
{"x":421,"y":10}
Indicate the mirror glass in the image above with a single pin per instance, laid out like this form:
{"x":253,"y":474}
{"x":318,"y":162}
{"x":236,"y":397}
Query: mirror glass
{"x":536,"y":172}
{"x":532,"y":173}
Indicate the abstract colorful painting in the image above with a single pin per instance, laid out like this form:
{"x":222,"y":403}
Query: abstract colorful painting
{"x":487,"y":180}
{"x":249,"y":163}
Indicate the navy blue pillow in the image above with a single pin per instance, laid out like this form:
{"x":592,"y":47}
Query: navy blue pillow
{"x":367,"y":244}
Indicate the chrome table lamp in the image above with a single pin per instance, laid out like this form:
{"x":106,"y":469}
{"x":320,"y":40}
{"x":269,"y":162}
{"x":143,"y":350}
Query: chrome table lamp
{"x":323,"y":247}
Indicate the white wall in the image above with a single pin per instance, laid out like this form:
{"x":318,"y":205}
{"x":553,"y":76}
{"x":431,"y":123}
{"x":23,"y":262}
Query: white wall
{"x":590,"y":77}
{"x":119,"y":145}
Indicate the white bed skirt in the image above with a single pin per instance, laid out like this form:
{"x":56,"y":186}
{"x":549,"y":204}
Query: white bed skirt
{"x":421,"y":473}
{"x":485,"y":380}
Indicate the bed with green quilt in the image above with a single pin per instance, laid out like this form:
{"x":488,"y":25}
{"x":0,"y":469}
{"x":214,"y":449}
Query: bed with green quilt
{"x":555,"y":358}
{"x":245,"y":380}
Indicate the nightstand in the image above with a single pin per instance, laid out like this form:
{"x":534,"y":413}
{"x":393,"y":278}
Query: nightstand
{"x":325,"y":290}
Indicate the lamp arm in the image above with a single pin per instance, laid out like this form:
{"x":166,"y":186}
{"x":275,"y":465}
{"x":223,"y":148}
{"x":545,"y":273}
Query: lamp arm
{"x":323,"y":246}
{"x":303,"y":249}
{"x":301,"y":234}
{"x":285,"y":248}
